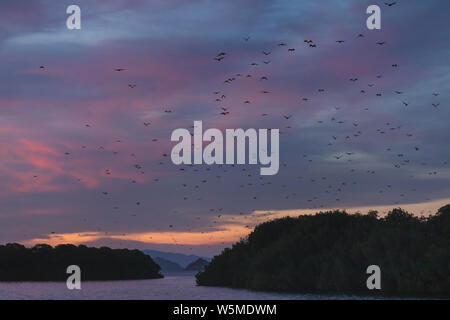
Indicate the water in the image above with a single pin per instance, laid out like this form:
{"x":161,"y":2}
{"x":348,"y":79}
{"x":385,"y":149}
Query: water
{"x":176,"y":287}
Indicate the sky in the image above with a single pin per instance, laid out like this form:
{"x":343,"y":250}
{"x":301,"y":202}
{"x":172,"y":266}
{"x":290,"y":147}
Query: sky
{"x":85,"y":158}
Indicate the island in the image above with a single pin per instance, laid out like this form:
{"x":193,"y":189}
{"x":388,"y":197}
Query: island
{"x":46,"y":263}
{"x":329,"y":253}
{"x":197,"y":265}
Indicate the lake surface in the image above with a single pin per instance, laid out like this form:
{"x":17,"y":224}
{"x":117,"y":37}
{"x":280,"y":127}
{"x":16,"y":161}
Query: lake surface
{"x":176,"y":287}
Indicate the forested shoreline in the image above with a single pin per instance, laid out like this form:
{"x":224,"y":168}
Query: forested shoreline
{"x":45,"y":263}
{"x":329,"y":252}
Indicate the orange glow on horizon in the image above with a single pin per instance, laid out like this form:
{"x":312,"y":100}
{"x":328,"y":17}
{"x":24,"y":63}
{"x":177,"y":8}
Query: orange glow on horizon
{"x":232,"y":229}
{"x":226,"y":233}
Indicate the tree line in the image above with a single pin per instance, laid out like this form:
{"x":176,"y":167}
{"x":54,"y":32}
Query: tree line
{"x":46,"y":263}
{"x":329,"y":252}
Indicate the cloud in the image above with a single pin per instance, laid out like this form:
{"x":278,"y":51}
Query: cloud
{"x":75,"y":129}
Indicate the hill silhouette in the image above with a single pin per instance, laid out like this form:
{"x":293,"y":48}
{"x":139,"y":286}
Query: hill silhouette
{"x":45,"y":263}
{"x":197,"y":265}
{"x":182,"y":259}
{"x":167,"y":265}
{"x":329,"y":252}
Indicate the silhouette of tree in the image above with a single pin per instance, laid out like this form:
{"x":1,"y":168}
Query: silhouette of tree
{"x":329,"y":252}
{"x":45,"y":263}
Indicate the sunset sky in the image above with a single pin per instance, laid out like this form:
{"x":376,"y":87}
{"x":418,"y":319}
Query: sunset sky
{"x":78,"y":164}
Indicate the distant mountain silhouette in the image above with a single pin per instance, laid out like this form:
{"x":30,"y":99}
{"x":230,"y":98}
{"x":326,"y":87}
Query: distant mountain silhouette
{"x":45,"y":263}
{"x":330,"y":253}
{"x":168,"y":266}
{"x":182,"y":259}
{"x":197,"y":265}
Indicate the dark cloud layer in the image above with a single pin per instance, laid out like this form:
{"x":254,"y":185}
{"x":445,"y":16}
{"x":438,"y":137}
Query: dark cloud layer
{"x":74,"y":130}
